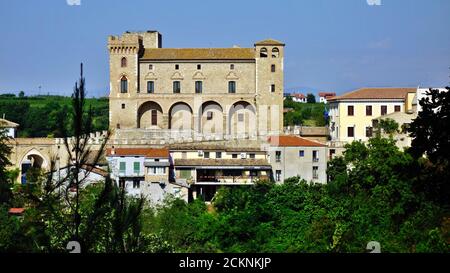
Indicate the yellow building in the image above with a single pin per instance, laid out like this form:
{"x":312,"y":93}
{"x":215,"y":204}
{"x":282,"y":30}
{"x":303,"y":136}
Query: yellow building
{"x":351,"y":114}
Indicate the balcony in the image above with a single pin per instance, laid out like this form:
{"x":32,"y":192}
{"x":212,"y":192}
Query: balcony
{"x":315,"y":159}
{"x":223,"y":179}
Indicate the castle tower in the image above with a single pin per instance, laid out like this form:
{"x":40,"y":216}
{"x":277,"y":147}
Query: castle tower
{"x":124,"y":53}
{"x":269,"y":57}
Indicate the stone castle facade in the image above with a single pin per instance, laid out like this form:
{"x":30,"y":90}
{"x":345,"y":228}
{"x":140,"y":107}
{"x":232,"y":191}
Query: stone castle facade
{"x":218,"y":92}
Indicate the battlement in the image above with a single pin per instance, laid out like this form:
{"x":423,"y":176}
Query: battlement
{"x":134,"y":41}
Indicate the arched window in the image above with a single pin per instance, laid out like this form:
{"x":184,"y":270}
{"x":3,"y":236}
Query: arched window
{"x":263,"y":52}
{"x":275,"y":52}
{"x":123,"y":85}
{"x":123,"y":62}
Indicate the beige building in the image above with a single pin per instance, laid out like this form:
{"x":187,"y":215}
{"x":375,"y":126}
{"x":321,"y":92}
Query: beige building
{"x":292,"y":156}
{"x":351,"y":114}
{"x":219,"y":92}
{"x":207,"y":166}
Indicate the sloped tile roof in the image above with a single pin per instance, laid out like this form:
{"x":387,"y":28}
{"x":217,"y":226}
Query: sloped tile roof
{"x":293,"y":141}
{"x":269,"y":42}
{"x":376,"y":93}
{"x":199,"y":54}
{"x":7,"y":124}
{"x":147,"y":152}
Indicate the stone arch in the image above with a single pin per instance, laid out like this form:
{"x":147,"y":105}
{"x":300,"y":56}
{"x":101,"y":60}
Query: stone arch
{"x":32,"y":159}
{"x":150,"y":116}
{"x":241,"y":119}
{"x":211,"y":118}
{"x":180,"y":116}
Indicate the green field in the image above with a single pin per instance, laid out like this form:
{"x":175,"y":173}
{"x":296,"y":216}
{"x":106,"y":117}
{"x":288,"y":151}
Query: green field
{"x":306,"y":114}
{"x":39,"y":116}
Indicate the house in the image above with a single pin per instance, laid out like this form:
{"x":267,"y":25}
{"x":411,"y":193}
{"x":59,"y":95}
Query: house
{"x":351,"y":114}
{"x":10,"y":127}
{"x":207,"y":166}
{"x":146,"y":172}
{"x":291,"y":156}
{"x":324,"y":96}
{"x":298,"y":97}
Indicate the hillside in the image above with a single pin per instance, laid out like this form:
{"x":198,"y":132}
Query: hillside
{"x":39,"y":116}
{"x":307,"y":114}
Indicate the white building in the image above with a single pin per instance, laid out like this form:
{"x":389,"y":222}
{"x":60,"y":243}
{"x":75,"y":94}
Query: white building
{"x":324,"y":96}
{"x":145,"y":171}
{"x":10,"y":127}
{"x":292,"y":156}
{"x":422,"y":93}
{"x":299,"y":98}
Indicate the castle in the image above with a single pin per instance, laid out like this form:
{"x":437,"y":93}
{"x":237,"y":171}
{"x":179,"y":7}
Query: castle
{"x":216,"y":93}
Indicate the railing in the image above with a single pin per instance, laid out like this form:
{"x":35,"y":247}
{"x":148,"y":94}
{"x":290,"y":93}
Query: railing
{"x":230,"y":179}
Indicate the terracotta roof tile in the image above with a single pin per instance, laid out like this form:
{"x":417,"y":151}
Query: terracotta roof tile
{"x":199,"y":54}
{"x":376,"y":93}
{"x":147,"y":152}
{"x":16,"y":210}
{"x":327,"y":94}
{"x":293,"y":141}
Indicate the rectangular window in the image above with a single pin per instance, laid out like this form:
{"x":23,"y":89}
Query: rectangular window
{"x":209,"y":115}
{"x":272,"y":88}
{"x":176,"y":87}
{"x":315,"y":172}
{"x":122,"y":183}
{"x":231,"y":87}
{"x":218,"y":154}
{"x":301,"y":153}
{"x":206,"y":155}
{"x":136,"y":184}
{"x":368,"y":110}
{"x":123,"y":105}
{"x":199,"y":66}
{"x":177,"y":66}
{"x":150,"y":87}
{"x":272,"y":68}
{"x":234,"y":156}
{"x":231,"y":66}
{"x":350,"y":131}
{"x":315,"y":155}
{"x":278,"y":175}
{"x":278,"y":156}
{"x":198,"y":87}
{"x":383,"y":110}
{"x":252,"y":156}
{"x":136,"y":167}
{"x":154,"y":117}
{"x":369,"y":132}
{"x":150,"y":67}
{"x":122,"y":167}
{"x":185,"y":174}
{"x":397,"y":108}
{"x":350,"y":110}
{"x":156,"y":170}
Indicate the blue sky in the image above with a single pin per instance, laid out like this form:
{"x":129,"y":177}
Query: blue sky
{"x":331,"y":45}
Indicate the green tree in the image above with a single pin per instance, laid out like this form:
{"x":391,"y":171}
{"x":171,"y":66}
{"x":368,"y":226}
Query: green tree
{"x":5,"y":184}
{"x":310,"y":98}
{"x":431,"y":138}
